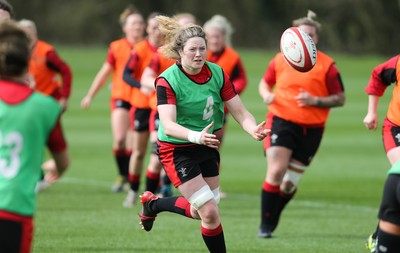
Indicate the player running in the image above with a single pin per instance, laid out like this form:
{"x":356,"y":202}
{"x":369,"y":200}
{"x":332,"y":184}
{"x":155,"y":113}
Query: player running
{"x":133,"y":25}
{"x":298,"y":105}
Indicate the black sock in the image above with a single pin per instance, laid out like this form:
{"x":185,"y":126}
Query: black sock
{"x":214,"y":239}
{"x":388,"y":243}
{"x":152,"y":181}
{"x":120,"y":159}
{"x":269,"y":201}
{"x":282,"y":201}
{"x":175,"y":204}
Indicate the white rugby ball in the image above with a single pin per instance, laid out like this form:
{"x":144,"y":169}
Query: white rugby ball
{"x":298,"y":49}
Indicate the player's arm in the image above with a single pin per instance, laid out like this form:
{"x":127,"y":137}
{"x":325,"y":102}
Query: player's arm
{"x":130,"y":69}
{"x":335,"y":88}
{"x":239,"y":112}
{"x":238,"y":77}
{"x":53,"y":61}
{"x":101,"y":77}
{"x":266,"y":84}
{"x":58,"y":148}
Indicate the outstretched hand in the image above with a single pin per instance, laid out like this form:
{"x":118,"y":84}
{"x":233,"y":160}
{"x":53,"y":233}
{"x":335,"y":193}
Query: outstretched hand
{"x":207,"y":139}
{"x":260,"y":132}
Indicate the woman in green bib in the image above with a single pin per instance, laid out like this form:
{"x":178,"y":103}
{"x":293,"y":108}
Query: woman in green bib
{"x":190,"y":100}
{"x":29,"y":122}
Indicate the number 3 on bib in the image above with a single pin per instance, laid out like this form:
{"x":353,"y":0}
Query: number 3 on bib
{"x":208,"y":110}
{"x":12,"y":144}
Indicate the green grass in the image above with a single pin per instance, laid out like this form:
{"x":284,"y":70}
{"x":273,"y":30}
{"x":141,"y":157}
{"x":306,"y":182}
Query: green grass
{"x":334,"y":210}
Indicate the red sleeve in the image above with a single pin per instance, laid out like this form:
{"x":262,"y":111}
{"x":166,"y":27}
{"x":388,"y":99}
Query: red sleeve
{"x":269,"y":75}
{"x":111,"y":58}
{"x":56,"y":141}
{"x":334,"y":81}
{"x":54,"y":62}
{"x":238,"y":77}
{"x":165,"y":94}
{"x":382,"y":76}
{"x":228,"y":89}
{"x":155,"y":63}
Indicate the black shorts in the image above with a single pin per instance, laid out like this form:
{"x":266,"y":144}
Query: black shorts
{"x":182,"y":163}
{"x":303,"y":141}
{"x":390,"y":206}
{"x":140,"y":119}
{"x":119,"y":103}
{"x":16,"y":232}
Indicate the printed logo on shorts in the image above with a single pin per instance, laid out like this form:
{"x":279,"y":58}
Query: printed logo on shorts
{"x":274,"y":137}
{"x":183,"y":172}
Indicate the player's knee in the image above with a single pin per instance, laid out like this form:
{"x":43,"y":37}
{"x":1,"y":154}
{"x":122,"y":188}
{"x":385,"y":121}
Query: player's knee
{"x":202,"y":196}
{"x":292,"y":178}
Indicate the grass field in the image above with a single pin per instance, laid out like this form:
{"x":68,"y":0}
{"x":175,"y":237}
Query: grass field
{"x":334,"y":210}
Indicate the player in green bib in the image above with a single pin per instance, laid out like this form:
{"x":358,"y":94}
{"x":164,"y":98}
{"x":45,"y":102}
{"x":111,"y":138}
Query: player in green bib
{"x":29,"y":122}
{"x":190,"y":101}
{"x":388,"y":239}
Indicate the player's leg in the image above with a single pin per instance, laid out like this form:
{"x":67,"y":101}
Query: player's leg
{"x":139,"y":148}
{"x":120,"y":127}
{"x":154,"y":168}
{"x":388,"y":239}
{"x":277,"y":163}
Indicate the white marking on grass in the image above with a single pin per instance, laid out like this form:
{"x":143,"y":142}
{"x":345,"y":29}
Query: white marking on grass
{"x":302,"y":203}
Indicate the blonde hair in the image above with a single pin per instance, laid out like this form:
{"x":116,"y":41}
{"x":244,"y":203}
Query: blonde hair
{"x":14,"y":50}
{"x":176,"y":35}
{"x":309,"y":20}
{"x":221,"y":23}
{"x":129,"y":10}
{"x":26,"y":23}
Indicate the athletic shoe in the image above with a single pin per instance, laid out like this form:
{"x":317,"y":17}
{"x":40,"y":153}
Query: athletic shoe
{"x":120,"y":184}
{"x":166,"y":191}
{"x":371,"y":244}
{"x":264,"y":232}
{"x":147,"y":216}
{"x":130,"y":199}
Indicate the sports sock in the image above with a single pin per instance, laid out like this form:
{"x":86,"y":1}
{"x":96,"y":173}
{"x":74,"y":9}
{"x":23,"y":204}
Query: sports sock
{"x":175,"y":204}
{"x":152,"y":180}
{"x":282,"y":201}
{"x":127,"y":158}
{"x":120,"y":159}
{"x":269,"y":201}
{"x":214,"y":239}
{"x":134,"y":181}
{"x":388,"y":243}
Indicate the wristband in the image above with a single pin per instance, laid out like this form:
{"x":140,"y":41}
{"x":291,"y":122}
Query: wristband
{"x":194,"y":137}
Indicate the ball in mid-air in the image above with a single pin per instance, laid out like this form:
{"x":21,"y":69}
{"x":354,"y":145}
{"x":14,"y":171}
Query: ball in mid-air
{"x":298,"y":49}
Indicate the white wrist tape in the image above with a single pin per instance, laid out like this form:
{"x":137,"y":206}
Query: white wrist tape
{"x":194,"y":137}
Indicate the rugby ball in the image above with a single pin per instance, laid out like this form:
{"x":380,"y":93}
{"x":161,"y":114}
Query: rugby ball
{"x":298,"y":49}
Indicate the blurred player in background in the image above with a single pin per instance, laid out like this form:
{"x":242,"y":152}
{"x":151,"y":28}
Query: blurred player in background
{"x":6,"y":10}
{"x":381,"y":78}
{"x":158,"y":64}
{"x":190,"y":97}
{"x":46,"y":68}
{"x":133,"y":26}
{"x":139,"y":59}
{"x":298,"y":105}
{"x":219,"y":32}
{"x":29,"y":121}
